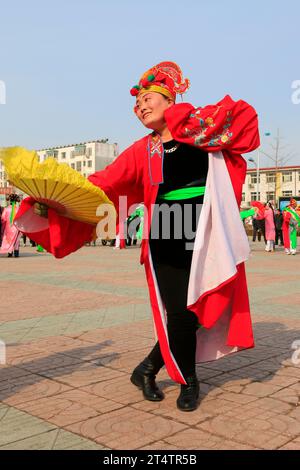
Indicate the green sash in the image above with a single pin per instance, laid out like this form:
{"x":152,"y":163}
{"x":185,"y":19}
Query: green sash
{"x":182,"y":193}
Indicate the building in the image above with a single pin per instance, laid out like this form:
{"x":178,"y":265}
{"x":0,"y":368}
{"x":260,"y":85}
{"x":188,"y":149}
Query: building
{"x":273,"y":183}
{"x":86,"y":158}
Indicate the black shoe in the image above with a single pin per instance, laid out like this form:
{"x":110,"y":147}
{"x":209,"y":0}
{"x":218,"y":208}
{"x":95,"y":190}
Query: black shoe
{"x":143,"y":377}
{"x":9,"y":255}
{"x":16,"y":253}
{"x":188,"y":398}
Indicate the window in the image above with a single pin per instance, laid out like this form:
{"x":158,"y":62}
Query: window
{"x":73,"y":166}
{"x":270,"y":196}
{"x":52,"y":153}
{"x":253,"y":178}
{"x":271,"y":177}
{"x":84,"y":163}
{"x":78,"y":166}
{"x":287,"y":177}
{"x":78,"y":151}
{"x":243,"y":197}
{"x":287,"y":193}
{"x":89,"y":163}
{"x":254,"y":196}
{"x":63,"y":155}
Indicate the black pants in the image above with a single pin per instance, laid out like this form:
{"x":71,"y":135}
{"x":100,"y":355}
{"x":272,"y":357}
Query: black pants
{"x":256,"y":232}
{"x":260,"y":224}
{"x":182,"y":323}
{"x":172,"y":258}
{"x":278,"y":236}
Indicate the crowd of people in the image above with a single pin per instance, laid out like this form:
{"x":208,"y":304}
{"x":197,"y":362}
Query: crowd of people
{"x":276,"y":226}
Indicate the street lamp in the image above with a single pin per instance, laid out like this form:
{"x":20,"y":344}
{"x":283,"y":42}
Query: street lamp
{"x":257,"y":173}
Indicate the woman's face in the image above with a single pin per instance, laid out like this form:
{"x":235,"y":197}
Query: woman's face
{"x":150,"y":108}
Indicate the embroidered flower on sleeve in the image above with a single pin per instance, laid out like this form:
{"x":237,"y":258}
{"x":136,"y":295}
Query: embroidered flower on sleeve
{"x":224,"y":138}
{"x":210,"y":122}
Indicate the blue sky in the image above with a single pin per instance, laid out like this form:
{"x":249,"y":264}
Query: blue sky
{"x":68,"y":65}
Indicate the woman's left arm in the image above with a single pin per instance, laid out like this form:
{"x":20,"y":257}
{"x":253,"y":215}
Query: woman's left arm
{"x":228,"y":125}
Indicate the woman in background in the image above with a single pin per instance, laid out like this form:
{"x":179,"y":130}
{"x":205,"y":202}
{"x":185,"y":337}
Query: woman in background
{"x":11,"y":235}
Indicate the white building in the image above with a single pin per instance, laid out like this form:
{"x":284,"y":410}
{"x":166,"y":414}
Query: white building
{"x":285,"y":181}
{"x":86,"y":157}
{"x":3,"y":180}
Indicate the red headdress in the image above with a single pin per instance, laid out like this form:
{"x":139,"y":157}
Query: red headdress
{"x":165,"y":78}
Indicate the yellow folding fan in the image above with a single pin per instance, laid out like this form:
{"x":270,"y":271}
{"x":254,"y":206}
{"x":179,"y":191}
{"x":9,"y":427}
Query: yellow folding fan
{"x":54,"y":184}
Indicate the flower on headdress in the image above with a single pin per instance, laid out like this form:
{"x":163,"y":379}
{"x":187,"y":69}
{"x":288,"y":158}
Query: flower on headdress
{"x":135,"y":90}
{"x":145,"y":82}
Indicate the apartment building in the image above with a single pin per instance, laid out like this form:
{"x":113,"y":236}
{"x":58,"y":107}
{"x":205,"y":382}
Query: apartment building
{"x":273,"y":183}
{"x":86,"y":158}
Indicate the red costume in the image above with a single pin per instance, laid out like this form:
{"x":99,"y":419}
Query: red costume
{"x":217,"y":290}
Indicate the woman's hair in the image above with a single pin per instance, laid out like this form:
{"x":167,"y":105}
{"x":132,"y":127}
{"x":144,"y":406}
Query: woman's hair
{"x":14,"y":198}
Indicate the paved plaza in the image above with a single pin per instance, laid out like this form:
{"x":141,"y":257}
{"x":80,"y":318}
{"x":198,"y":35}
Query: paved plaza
{"x":75,"y":328}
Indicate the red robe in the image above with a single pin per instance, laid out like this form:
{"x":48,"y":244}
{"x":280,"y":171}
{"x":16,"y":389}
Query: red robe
{"x":226,"y":129}
{"x":286,"y":229}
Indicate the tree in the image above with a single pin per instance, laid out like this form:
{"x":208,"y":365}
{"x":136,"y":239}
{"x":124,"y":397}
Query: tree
{"x":278,"y":156}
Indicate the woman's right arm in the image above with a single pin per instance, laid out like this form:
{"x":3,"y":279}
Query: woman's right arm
{"x":60,"y":235}
{"x":123,"y":177}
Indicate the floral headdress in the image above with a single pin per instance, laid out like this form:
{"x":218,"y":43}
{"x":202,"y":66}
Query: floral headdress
{"x":165,"y":78}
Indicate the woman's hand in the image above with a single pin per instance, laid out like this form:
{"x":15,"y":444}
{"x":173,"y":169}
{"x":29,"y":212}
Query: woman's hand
{"x":41,"y":210}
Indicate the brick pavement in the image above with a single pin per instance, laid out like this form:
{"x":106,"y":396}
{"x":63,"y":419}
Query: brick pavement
{"x":75,"y":328}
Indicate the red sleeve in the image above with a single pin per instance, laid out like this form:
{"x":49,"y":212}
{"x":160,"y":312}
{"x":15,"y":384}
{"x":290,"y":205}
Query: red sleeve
{"x":286,"y":217}
{"x":123,"y":177}
{"x":228,"y":125}
{"x":60,"y":235}
{"x":57,"y":234}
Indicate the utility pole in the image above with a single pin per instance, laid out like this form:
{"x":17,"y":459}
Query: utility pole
{"x":278,"y":158}
{"x":276,"y":162}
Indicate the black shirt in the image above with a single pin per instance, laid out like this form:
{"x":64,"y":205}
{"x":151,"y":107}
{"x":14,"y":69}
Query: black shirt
{"x":183,"y":166}
{"x":172,"y":235}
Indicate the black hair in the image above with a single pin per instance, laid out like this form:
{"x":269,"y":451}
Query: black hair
{"x":14,"y":198}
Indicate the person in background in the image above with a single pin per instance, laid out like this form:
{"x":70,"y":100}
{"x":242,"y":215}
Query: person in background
{"x":260,"y":225}
{"x":269,"y":228}
{"x":278,"y":227}
{"x":11,"y":235}
{"x":291,"y":220}
{"x":256,"y":230}
{"x":1,"y":210}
